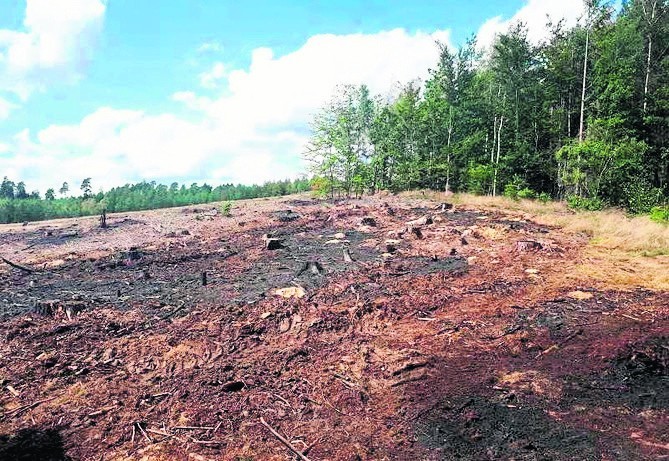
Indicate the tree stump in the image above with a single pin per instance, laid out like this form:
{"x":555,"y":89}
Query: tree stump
{"x":103,"y":219}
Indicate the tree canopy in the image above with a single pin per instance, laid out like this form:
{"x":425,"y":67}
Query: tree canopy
{"x":584,"y":114}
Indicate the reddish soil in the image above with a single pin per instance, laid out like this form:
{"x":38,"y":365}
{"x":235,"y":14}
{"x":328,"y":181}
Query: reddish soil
{"x":460,"y":344}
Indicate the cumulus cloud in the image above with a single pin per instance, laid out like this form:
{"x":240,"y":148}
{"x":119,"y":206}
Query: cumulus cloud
{"x":254,"y":130}
{"x":213,"y":77}
{"x":535,"y":14}
{"x":54,"y":47}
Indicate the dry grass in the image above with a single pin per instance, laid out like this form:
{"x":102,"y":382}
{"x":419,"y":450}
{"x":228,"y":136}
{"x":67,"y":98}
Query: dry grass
{"x":624,"y":251}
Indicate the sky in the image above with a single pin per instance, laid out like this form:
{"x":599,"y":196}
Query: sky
{"x":212,"y":91}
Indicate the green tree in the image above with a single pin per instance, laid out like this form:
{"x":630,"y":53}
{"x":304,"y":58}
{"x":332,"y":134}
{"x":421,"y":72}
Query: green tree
{"x":86,"y":188}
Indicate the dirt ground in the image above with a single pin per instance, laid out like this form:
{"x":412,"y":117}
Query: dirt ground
{"x":469,"y":338}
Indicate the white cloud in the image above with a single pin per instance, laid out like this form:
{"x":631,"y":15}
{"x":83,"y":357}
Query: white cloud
{"x":213,"y":77}
{"x":5,"y":108}
{"x":210,"y":47}
{"x":254,"y":130}
{"x":54,"y":48}
{"x":535,"y":15}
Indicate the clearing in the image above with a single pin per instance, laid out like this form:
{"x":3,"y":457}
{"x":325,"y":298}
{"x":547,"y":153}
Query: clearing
{"x":474,"y":333}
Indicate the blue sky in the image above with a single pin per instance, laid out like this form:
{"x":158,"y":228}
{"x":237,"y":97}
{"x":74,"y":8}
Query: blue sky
{"x":119,"y":89}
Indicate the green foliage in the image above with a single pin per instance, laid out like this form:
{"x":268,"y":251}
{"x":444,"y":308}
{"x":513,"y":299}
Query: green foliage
{"x":544,"y":197}
{"x":527,"y":193}
{"x":641,"y":197}
{"x":517,"y":189}
{"x":511,"y":191}
{"x":660,"y":214}
{"x":481,"y":122}
{"x":479,"y":178}
{"x":582,"y":203}
{"x":226,"y":209}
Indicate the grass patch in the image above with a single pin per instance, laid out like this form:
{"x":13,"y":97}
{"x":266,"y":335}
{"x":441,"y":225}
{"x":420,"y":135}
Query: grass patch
{"x":623,"y":250}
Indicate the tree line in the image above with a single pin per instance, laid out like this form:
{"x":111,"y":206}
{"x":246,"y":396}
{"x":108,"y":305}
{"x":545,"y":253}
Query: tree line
{"x":17,"y":205}
{"x":582,"y":116}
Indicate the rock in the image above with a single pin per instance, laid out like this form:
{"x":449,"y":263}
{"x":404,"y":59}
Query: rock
{"x":528,"y":245}
{"x":290,"y":292}
{"x":265,"y":315}
{"x":390,"y":248}
{"x":580,"y":295}
{"x":185,"y":232}
{"x":108,"y":354}
{"x":368,"y":221}
{"x":531,"y":271}
{"x":287,"y":216}
{"x":339,"y":236}
{"x":284,"y":326}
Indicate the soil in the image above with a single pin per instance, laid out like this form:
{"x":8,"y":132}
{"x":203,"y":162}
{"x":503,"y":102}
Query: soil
{"x":458,"y":340}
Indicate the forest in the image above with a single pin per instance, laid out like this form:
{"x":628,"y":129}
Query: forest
{"x":17,"y":205}
{"x":582,"y":116}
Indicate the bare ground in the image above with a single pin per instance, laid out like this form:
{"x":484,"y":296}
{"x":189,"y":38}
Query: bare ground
{"x":461,"y":344}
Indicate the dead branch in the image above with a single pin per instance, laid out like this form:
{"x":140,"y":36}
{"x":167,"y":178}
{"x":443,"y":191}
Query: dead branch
{"x":284,"y":441}
{"x":193,"y":428}
{"x":347,"y":256}
{"x":16,"y":266}
{"x":30,"y":406}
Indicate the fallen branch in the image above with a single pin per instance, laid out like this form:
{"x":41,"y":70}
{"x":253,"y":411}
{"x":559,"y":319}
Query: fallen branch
{"x":631,"y":317}
{"x":30,"y":406}
{"x":560,"y":344}
{"x":193,"y":428}
{"x":16,"y":266}
{"x":173,"y":313}
{"x":288,"y":445}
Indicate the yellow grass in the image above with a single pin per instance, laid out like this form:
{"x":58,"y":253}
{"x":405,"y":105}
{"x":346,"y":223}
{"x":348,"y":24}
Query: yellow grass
{"x":623,"y":251}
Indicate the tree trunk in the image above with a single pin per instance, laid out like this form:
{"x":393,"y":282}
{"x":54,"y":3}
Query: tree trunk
{"x":448,"y":149}
{"x":585,"y":73}
{"x":499,"y":148}
{"x":650,"y":22}
{"x":645,"y":87}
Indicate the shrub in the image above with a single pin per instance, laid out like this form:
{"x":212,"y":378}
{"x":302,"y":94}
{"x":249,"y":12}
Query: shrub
{"x":641,"y":197}
{"x":511,"y":191}
{"x":660,"y":214}
{"x":583,"y":203}
{"x":544,"y":197}
{"x":527,"y":193}
{"x":226,"y":209}
{"x":514,"y":188}
{"x":479,"y":179}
